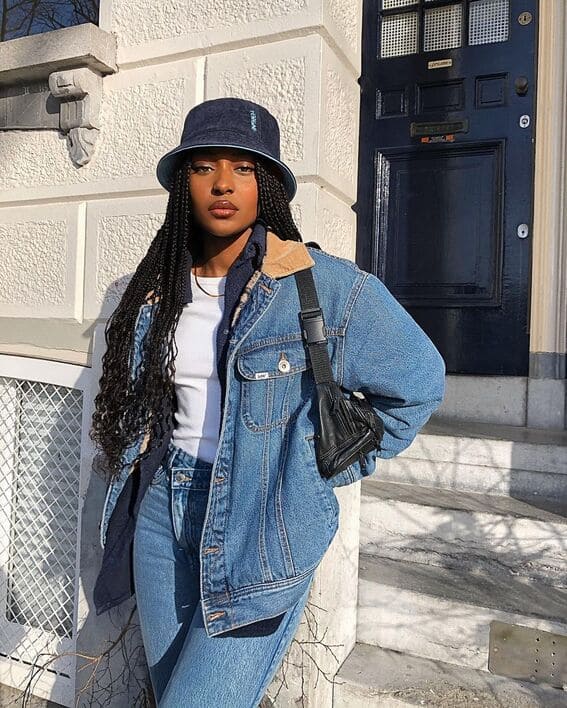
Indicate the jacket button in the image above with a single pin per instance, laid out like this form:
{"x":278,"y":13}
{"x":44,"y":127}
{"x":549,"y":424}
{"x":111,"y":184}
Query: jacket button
{"x":182,"y":477}
{"x":283,"y":364}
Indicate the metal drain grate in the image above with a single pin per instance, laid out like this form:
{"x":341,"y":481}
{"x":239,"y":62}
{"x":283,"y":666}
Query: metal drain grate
{"x":527,"y":654}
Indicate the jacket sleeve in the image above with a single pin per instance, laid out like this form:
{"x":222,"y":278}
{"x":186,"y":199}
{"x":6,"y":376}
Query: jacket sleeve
{"x":390,"y":359}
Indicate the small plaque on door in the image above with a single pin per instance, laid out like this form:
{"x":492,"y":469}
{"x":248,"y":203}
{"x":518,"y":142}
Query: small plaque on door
{"x":527,"y":654}
{"x":440,"y":64}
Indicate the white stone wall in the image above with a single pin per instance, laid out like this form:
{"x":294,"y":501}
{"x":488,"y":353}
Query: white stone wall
{"x":81,"y":230}
{"x":70,"y":237}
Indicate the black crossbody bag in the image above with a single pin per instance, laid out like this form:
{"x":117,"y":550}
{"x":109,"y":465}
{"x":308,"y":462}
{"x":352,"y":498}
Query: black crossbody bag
{"x":348,"y":425}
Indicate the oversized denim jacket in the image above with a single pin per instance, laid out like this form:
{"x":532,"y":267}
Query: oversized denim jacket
{"x":270,"y":516}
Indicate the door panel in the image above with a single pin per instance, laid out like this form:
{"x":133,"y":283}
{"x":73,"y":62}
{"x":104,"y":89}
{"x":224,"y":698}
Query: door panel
{"x":432,"y":198}
{"x":446,"y":171}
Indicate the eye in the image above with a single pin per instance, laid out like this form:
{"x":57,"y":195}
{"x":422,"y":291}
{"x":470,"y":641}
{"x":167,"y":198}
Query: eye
{"x":246,"y":168}
{"x":200,"y":168}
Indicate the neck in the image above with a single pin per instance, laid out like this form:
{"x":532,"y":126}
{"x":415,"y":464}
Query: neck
{"x":218,"y":253}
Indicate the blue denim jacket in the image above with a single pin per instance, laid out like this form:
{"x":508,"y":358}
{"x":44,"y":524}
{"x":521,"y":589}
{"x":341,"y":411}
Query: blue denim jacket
{"x":270,"y":516}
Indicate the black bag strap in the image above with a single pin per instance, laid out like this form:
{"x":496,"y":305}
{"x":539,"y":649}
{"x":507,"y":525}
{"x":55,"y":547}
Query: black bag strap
{"x":313,"y":326}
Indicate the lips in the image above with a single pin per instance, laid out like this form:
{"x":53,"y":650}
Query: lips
{"x":223,"y":207}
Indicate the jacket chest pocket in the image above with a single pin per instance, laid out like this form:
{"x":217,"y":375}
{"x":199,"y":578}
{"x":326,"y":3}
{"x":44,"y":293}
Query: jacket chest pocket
{"x":272,"y":383}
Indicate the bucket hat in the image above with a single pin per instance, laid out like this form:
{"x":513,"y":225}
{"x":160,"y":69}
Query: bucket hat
{"x":228,"y":122}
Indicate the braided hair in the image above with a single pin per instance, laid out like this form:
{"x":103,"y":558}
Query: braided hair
{"x":126,"y":405}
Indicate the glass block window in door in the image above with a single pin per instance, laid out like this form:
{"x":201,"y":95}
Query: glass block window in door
{"x":389,"y":4}
{"x":488,"y":21}
{"x":442,"y":28}
{"x":399,"y":35}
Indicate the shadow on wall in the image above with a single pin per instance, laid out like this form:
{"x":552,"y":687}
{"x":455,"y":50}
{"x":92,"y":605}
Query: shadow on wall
{"x":112,"y":669}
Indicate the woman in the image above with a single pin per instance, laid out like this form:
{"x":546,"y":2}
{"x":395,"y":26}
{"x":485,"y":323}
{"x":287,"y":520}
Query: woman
{"x":216,"y":515}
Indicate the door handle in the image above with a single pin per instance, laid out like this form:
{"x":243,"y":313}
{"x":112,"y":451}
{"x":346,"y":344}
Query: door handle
{"x":521,"y":84}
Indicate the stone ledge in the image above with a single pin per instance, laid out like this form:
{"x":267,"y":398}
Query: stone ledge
{"x":35,"y":57}
{"x":445,"y":614}
{"x":549,"y":510}
{"x":372,"y":676}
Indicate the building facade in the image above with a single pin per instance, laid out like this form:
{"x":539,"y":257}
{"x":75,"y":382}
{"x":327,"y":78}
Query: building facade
{"x":429,"y":141}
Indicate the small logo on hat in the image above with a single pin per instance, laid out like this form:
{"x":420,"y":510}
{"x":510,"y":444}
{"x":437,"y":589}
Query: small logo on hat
{"x":253,"y":120}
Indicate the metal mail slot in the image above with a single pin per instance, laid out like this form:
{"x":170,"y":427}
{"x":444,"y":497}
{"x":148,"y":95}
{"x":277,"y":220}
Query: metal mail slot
{"x":424,"y":129}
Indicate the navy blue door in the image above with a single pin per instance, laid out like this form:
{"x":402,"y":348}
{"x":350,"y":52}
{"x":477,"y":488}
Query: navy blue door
{"x":446,"y":171}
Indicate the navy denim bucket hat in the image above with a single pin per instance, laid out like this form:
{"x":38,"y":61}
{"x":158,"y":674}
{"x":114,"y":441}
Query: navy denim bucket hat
{"x":228,"y":122}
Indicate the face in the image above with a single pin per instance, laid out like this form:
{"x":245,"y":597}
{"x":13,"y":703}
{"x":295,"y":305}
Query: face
{"x":224,"y":190}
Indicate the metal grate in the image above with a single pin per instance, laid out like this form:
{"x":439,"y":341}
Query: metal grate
{"x":488,"y":21}
{"x":389,"y":4}
{"x":527,"y":654}
{"x":442,"y":28}
{"x":40,"y":450}
{"x":399,"y":35}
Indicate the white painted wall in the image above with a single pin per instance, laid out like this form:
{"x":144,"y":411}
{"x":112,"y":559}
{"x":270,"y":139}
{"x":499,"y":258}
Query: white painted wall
{"x":68,"y":233}
{"x":70,"y":237}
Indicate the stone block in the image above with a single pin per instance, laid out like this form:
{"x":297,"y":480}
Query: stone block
{"x":342,"y":19}
{"x":205,"y":22}
{"x":285,"y":78}
{"x":326,"y":219}
{"x":456,"y":530}
{"x":488,"y":399}
{"x":547,"y":401}
{"x":519,"y":462}
{"x":36,"y":56}
{"x":338,"y":125}
{"x":119,"y":233}
{"x":41,"y":251}
{"x":149,"y":30}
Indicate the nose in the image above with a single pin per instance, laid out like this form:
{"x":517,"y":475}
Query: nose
{"x":223,"y":181}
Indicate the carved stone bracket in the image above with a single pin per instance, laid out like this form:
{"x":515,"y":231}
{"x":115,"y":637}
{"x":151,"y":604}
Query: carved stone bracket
{"x":79,"y":92}
{"x":53,"y":81}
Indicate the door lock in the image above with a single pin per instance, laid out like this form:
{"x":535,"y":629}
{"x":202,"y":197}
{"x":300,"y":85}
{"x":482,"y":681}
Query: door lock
{"x":523,"y":231}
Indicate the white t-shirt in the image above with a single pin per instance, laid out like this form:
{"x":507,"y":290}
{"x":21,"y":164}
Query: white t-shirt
{"x":197,"y":385}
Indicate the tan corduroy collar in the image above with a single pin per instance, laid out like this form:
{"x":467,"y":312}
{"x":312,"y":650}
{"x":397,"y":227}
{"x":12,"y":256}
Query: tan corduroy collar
{"x":284,"y":257}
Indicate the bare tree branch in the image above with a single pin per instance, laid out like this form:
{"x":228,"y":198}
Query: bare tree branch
{"x":25,"y":17}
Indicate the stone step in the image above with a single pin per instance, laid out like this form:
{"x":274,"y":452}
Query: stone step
{"x":464,"y":530}
{"x":493,"y":459}
{"x":445,"y":614}
{"x":372,"y":676}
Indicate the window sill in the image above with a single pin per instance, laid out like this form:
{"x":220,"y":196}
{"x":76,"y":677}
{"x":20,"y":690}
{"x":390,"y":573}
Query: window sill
{"x":34,"y":58}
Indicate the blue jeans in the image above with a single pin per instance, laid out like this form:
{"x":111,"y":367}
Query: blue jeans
{"x":187,"y":667}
